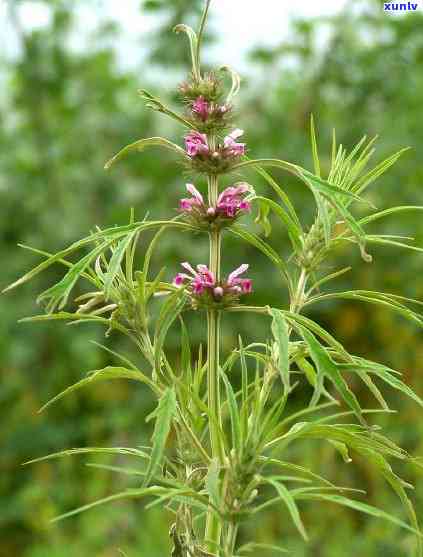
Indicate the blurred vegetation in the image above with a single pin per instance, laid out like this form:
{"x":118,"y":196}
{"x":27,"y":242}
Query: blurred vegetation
{"x":64,"y":113}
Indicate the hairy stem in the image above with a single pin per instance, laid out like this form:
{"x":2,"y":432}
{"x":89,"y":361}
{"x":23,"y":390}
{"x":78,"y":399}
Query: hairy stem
{"x":213,"y":526}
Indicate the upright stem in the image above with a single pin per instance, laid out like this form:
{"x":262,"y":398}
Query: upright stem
{"x":231,"y":539}
{"x":213,"y":526}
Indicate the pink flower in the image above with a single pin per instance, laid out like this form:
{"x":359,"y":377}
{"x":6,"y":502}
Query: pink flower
{"x":201,"y":107}
{"x":199,"y":280}
{"x":239,"y":285}
{"x":196,"y":144}
{"x":231,"y":147}
{"x":230,"y":201}
{"x":188,"y":204}
{"x":203,"y":281}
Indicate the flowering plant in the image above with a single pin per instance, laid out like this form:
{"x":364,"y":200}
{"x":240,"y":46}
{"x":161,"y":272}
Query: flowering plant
{"x":228,"y":458}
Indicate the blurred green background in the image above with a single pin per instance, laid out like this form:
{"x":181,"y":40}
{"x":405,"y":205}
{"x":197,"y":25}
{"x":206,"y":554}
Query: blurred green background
{"x":64,"y":111}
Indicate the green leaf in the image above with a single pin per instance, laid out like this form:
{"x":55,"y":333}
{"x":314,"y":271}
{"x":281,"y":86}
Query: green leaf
{"x":308,"y":370}
{"x":142,"y":144}
{"x":168,"y":314}
{"x":234,"y":415}
{"x":186,"y":368}
{"x":280,"y":334}
{"x":236,"y":82}
{"x":104,"y":374}
{"x":311,"y":180}
{"x":91,"y":450}
{"x":282,"y":196}
{"x":387,"y":212}
{"x":342,"y":450}
{"x":381,"y":240}
{"x":295,"y":468}
{"x":327,"y":367}
{"x":295,"y":233}
{"x":212,"y":482}
{"x":288,"y":499}
{"x":59,"y":293}
{"x":380,"y":169}
{"x":193,"y":42}
{"x":379,"y":298}
{"x":252,"y":547}
{"x":314,"y":147}
{"x":264,"y":247}
{"x":262,"y":217}
{"x":155,"y":104}
{"x":358,"y":506}
{"x":128,"y":494}
{"x":387,"y":377}
{"x":164,"y":414}
{"x":115,"y":262}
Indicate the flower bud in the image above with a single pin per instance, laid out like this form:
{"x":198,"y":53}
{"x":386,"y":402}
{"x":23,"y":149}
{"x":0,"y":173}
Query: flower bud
{"x":218,"y":292}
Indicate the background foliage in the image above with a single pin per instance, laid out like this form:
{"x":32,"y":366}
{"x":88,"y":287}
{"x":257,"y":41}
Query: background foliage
{"x":64,"y":113}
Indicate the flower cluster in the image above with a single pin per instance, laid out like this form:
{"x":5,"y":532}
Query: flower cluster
{"x":229,"y":205}
{"x":209,"y":87}
{"x":205,"y":110}
{"x":214,"y":160}
{"x":209,"y":116}
{"x":205,"y":290}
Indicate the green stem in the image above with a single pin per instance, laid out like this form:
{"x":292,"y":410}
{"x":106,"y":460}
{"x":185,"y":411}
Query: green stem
{"x":213,"y":525}
{"x":200,"y":33}
{"x":231,"y":539}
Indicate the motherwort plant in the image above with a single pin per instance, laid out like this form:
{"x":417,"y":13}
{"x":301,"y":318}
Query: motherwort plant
{"x":219,"y":452}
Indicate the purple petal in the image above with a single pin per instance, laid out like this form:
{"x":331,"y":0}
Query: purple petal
{"x":239,"y":271}
{"x":206,"y":274}
{"x":188,"y":267}
{"x":236,"y":133}
{"x":195,"y":193}
{"x":185,"y":204}
{"x":247,"y":286}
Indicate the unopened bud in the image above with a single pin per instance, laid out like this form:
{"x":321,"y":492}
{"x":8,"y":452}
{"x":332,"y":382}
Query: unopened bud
{"x":218,"y":292}
{"x":215,"y":155}
{"x":211,"y":211}
{"x":253,"y":495}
